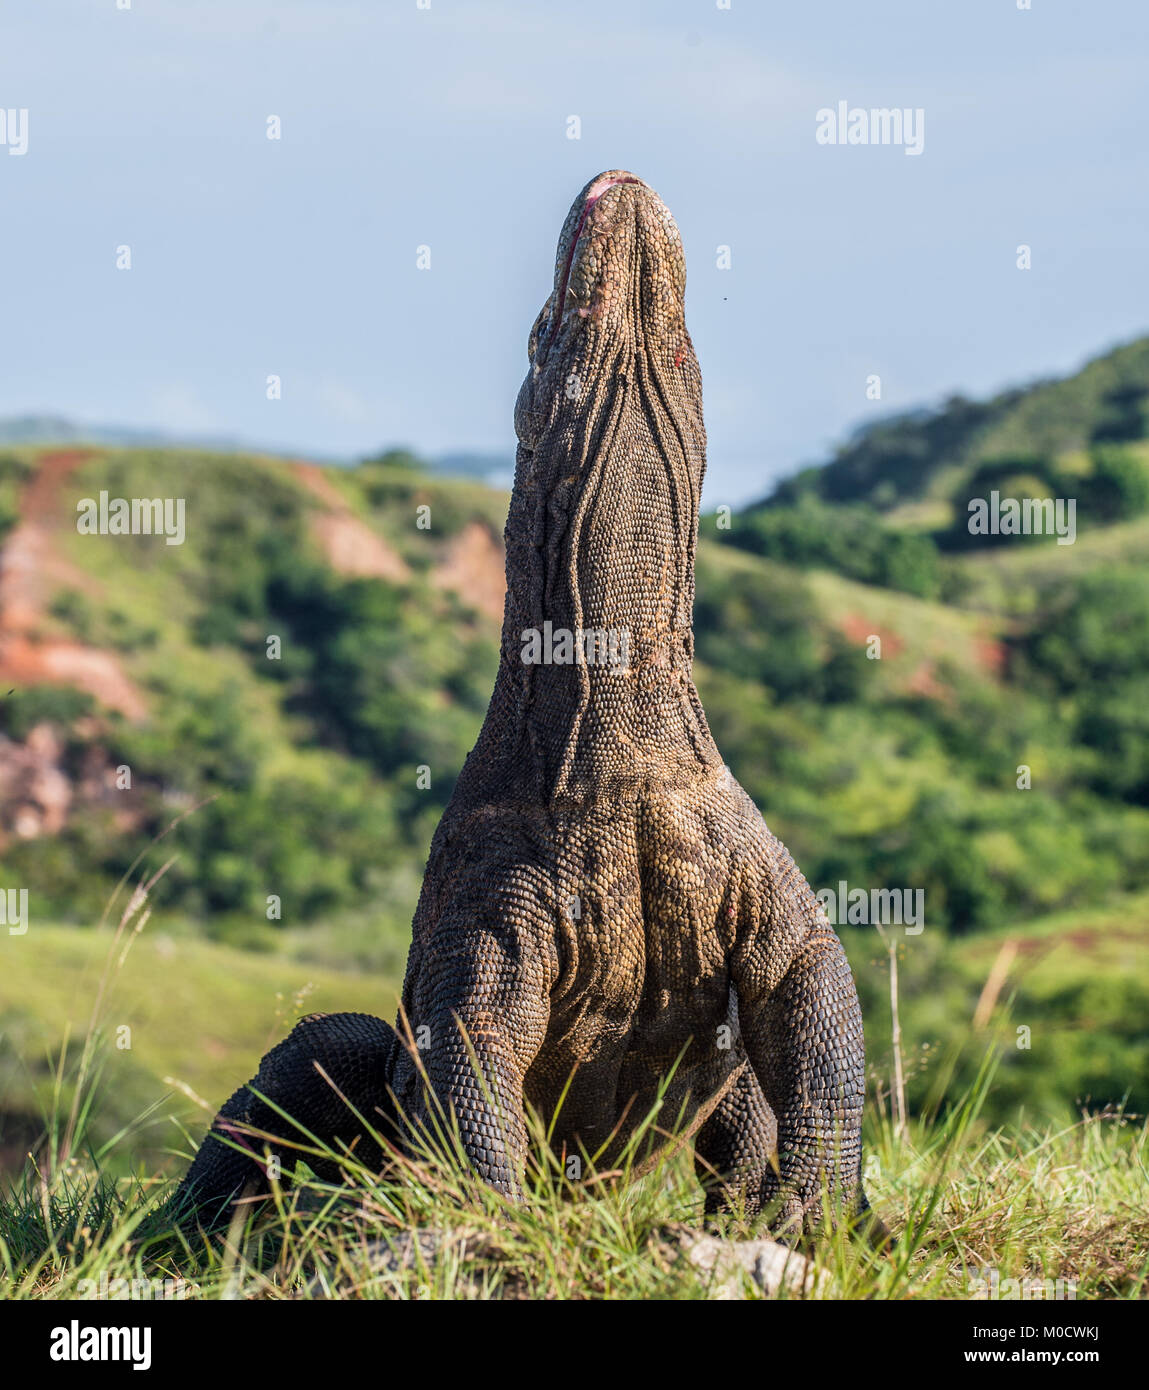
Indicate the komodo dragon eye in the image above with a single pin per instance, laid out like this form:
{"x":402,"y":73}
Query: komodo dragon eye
{"x":536,"y":331}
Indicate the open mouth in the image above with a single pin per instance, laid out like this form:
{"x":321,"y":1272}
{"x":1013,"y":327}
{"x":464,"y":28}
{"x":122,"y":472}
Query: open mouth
{"x":594,"y":193}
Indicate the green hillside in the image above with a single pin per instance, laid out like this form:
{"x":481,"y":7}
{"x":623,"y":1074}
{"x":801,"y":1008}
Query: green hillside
{"x":287,"y":697}
{"x":893,"y":505}
{"x":926,"y":453}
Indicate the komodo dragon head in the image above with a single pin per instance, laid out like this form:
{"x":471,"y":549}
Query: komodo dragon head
{"x":603,"y":522}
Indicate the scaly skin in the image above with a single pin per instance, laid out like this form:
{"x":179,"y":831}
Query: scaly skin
{"x":603,"y":906}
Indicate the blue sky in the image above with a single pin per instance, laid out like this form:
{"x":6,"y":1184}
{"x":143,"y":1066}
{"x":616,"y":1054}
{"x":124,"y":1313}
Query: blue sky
{"x":447,"y":127}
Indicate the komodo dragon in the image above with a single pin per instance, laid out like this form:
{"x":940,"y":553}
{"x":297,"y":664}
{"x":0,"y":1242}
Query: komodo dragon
{"x":603,"y":906}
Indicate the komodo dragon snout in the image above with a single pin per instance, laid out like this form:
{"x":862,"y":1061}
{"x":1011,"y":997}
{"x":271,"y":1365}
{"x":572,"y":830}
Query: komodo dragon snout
{"x":607,"y":929}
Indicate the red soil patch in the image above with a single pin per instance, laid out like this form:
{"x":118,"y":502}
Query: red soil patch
{"x":991,"y":655}
{"x":314,"y":478}
{"x":41,"y":499}
{"x":475,"y":568}
{"x":24,"y":663}
{"x":1083,"y":939}
{"x":30,"y":571}
{"x":922,"y":682}
{"x":351,"y":547}
{"x":348,"y":543}
{"x":472,"y":565}
{"x":859,"y":629}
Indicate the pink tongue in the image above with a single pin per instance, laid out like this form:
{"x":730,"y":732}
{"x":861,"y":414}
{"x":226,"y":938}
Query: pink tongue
{"x":593,"y":194}
{"x":599,"y":187}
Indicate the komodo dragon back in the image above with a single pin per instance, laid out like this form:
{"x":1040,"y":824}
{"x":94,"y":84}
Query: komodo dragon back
{"x":606,"y":927}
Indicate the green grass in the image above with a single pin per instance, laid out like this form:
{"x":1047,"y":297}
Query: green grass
{"x":961,"y":1198}
{"x":201,"y":1013}
{"x":1067,"y":1005}
{"x":920,"y":638}
{"x":1109,"y":940}
{"x":961,"y":1202}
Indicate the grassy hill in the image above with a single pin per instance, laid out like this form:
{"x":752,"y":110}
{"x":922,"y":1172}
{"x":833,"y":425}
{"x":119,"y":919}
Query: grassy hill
{"x":925,"y":454}
{"x":197,"y":1014}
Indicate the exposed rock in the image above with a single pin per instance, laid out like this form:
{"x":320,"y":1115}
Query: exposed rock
{"x":474,"y":568}
{"x":729,"y":1264}
{"x":38,"y":796}
{"x":35,"y":793}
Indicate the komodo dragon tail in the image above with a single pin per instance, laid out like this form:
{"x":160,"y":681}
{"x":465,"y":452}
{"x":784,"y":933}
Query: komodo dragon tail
{"x":325,"y":1086}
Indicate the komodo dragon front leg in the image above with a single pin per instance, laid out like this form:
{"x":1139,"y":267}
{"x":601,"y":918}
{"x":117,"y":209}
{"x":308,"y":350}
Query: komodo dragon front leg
{"x":735,"y":1149}
{"x":478,"y":1010}
{"x":802,"y":1030}
{"x":454,"y":1066}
